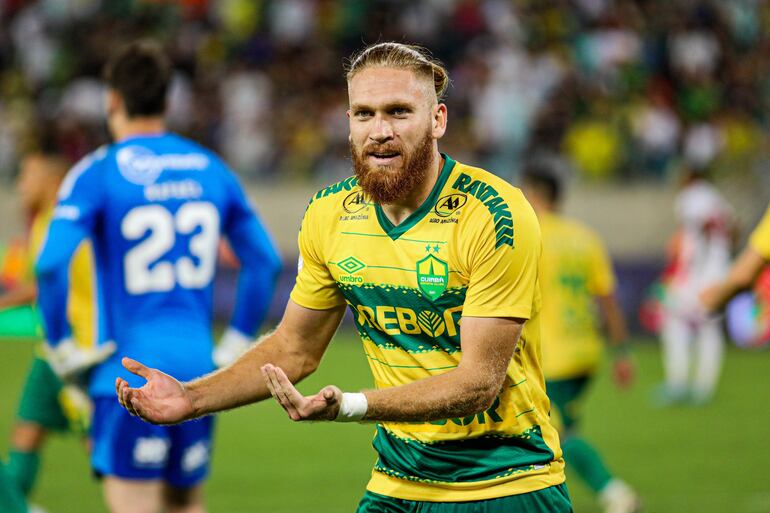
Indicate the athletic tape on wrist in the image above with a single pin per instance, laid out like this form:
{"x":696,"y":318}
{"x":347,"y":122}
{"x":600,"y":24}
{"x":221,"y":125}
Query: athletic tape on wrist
{"x":352,"y":408}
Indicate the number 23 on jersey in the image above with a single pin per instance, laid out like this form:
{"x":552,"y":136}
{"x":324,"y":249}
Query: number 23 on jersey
{"x":145,"y":268}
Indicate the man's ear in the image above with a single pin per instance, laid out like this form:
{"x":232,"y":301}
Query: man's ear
{"x":439,"y":120}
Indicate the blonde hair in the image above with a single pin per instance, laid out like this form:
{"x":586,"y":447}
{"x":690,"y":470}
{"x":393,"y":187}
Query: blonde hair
{"x":401,"y":56}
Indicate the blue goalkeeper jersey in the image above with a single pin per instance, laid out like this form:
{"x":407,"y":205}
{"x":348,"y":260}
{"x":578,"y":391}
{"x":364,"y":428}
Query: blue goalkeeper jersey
{"x":155,"y":207}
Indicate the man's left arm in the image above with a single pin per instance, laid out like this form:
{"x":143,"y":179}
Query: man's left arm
{"x":487,"y":348}
{"x":602,"y":285}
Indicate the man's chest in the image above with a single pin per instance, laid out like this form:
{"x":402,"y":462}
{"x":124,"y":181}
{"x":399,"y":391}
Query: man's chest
{"x":423,"y":260}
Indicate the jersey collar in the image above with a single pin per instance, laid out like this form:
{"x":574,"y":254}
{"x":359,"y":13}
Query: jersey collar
{"x":394,"y":232}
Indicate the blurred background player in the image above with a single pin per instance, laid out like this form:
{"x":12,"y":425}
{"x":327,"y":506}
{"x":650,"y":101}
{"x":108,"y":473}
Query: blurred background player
{"x":700,"y":256}
{"x":11,"y":498}
{"x":46,"y":403}
{"x":744,"y":271}
{"x":576,"y":276}
{"x":155,"y":205}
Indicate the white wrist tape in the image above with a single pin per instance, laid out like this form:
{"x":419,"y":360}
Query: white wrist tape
{"x":353,"y":407}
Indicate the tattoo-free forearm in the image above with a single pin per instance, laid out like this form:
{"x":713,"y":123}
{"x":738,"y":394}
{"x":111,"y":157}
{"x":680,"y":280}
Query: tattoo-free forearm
{"x":296,"y":346}
{"x":487,"y":347}
{"x":242,"y":383}
{"x":456,"y":393}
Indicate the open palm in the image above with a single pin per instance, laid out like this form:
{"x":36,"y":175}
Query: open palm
{"x":162,"y":400}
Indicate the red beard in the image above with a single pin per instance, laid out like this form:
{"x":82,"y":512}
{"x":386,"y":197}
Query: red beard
{"x":389,"y":184}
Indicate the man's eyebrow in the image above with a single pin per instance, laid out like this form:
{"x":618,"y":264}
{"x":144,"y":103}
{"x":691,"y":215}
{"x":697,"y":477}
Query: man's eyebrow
{"x":398,"y":104}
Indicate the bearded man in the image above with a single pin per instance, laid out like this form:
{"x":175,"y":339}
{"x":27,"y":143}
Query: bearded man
{"x":445,"y":297}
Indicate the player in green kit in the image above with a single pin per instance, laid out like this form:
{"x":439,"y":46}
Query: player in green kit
{"x":576,"y":276}
{"x":438,"y":262}
{"x":47,"y":404}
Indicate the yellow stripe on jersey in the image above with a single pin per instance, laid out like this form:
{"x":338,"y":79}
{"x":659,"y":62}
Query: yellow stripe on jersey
{"x":760,"y":237}
{"x":472,"y":249}
{"x":81,"y":302}
{"x":575,"y":269}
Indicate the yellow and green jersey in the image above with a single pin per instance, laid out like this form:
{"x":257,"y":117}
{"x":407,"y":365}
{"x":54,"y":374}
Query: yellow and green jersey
{"x":81,"y":302}
{"x":471,"y":250}
{"x":760,"y":237}
{"x":575,"y":269}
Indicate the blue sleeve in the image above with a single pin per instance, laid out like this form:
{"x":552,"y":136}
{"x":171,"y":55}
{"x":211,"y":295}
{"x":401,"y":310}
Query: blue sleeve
{"x":260,"y":261}
{"x":73,"y":221}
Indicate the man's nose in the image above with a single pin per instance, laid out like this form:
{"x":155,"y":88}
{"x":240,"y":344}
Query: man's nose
{"x":382,"y":130}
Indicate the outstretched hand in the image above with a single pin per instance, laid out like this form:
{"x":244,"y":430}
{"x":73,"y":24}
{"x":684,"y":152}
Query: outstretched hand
{"x":325,"y":405}
{"x":162,"y":400}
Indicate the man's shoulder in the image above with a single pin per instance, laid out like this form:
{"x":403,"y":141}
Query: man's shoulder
{"x":490,"y":198}
{"x":88,"y":164}
{"x":484,"y":187}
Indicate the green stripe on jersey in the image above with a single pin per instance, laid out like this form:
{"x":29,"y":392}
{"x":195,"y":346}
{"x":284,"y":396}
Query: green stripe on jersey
{"x":416,"y":325}
{"x":461,"y":461}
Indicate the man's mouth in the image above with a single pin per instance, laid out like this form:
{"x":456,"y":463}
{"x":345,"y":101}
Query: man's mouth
{"x":384,"y":156}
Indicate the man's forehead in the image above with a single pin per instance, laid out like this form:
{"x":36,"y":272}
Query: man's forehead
{"x":381,"y":84}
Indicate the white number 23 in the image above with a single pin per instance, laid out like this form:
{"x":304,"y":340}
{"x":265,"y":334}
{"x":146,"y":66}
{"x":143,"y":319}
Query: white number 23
{"x":141,"y":276}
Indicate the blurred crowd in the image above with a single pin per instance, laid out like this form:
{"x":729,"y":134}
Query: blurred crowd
{"x":612,"y":89}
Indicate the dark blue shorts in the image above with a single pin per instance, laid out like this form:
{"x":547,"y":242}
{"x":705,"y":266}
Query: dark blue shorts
{"x":126,"y":447}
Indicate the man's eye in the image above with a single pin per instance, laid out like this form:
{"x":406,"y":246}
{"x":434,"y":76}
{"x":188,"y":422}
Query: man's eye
{"x":363,"y":114}
{"x":400,"y":111}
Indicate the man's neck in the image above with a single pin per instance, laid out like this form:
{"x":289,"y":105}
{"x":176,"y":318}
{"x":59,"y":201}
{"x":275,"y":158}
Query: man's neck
{"x":139,"y":126}
{"x":398,"y":211}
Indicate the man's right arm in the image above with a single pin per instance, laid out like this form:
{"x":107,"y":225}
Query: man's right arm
{"x":744,"y":270}
{"x":296,"y":345}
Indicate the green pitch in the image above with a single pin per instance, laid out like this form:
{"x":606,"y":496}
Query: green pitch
{"x":710,"y":459}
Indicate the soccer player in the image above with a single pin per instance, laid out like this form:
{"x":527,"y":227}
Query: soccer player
{"x":744,"y":271}
{"x":438,"y":262}
{"x":47,"y":404}
{"x":701,"y":257}
{"x":577,"y":276}
{"x":154,"y":206}
{"x":11,"y":498}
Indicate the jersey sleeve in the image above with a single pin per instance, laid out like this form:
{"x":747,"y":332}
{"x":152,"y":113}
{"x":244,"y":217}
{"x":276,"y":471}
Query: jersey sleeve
{"x":79,"y":205}
{"x":504,"y":277}
{"x":601,"y":281}
{"x":315,"y":287}
{"x":760,"y":237}
{"x":259,"y":258}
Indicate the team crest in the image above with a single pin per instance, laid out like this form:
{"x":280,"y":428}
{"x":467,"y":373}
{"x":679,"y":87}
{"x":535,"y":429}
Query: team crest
{"x":432,"y":276}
